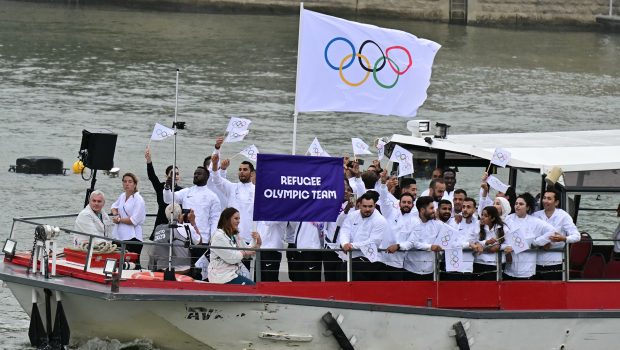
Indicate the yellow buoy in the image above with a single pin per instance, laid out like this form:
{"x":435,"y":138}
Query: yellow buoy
{"x":77,"y":167}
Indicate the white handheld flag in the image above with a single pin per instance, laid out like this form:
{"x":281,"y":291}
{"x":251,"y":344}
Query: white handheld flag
{"x":401,"y":155}
{"x":514,"y":238}
{"x":501,"y":157}
{"x":316,"y":150}
{"x":237,"y":123}
{"x":359,"y":146}
{"x":236,"y":135}
{"x":497,"y":184}
{"x":250,"y":152}
{"x":370,"y":251}
{"x":380,"y":149}
{"x":446,"y":237}
{"x":347,"y":66}
{"x":405,"y":169}
{"x":454,"y":260}
{"x":161,"y":132}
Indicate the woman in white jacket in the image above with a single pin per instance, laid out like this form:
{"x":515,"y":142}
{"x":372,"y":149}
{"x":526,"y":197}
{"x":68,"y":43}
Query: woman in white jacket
{"x":226,"y":265}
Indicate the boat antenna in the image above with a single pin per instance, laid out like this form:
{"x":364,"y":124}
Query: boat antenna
{"x":169,"y":272}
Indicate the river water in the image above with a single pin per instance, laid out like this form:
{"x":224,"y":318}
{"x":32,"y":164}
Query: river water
{"x":64,"y":68}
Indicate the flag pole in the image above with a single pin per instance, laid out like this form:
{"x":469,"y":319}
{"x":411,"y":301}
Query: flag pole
{"x":170,"y":272}
{"x":295,"y":112}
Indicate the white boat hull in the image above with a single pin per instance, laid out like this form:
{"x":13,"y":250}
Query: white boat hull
{"x":251,"y":324}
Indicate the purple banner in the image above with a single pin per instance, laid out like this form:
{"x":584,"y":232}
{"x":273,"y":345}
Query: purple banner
{"x":298,"y":188}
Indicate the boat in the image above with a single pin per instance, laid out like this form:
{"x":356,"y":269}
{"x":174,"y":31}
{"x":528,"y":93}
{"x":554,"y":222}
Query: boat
{"x":86,"y":301}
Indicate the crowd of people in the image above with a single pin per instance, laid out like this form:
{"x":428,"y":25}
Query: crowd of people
{"x":378,"y":211}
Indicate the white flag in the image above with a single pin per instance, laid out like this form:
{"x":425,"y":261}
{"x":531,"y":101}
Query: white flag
{"x":238,"y":124}
{"x":454,"y":260}
{"x":380,"y":149}
{"x":447,"y":237}
{"x":405,"y":169}
{"x":347,"y":66}
{"x":316,"y":150}
{"x":359,"y":146}
{"x":236,"y":135}
{"x":515,"y":239}
{"x":370,"y":251}
{"x":401,"y":155}
{"x":497,"y":184}
{"x":250,"y":152}
{"x":161,"y":132}
{"x":501,"y":157}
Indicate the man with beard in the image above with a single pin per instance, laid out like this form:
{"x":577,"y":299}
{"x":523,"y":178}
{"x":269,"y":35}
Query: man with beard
{"x":198,"y":197}
{"x":362,"y":228}
{"x":240,"y":194}
{"x":457,"y":202}
{"x":549,"y":264}
{"x":399,"y":230}
{"x":419,"y":262}
{"x":449,"y":177}
{"x":444,"y":211}
{"x":436,"y":174}
{"x":436,"y":190}
{"x":468,"y":229}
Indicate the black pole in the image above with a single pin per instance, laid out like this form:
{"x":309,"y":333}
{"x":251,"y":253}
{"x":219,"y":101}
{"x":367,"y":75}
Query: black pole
{"x":91,"y":189}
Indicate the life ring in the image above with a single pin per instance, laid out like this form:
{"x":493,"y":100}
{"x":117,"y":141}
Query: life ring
{"x":158,"y":276}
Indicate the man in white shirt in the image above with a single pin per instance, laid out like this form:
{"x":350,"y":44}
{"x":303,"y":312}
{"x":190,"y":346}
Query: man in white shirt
{"x":444,"y":211}
{"x":549,"y":264}
{"x":420,"y":245}
{"x":240,"y":195}
{"x":361,"y":229}
{"x":457,"y":202}
{"x":92,"y":220}
{"x":201,"y":199}
{"x":468,"y":229}
{"x":400,"y":225}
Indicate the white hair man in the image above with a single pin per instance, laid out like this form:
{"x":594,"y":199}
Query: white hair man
{"x":92,"y":220}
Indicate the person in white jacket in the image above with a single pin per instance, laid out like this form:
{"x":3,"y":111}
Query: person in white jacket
{"x":226,"y":264}
{"x":363,"y":228}
{"x":129,"y":212}
{"x":93,"y":220}
{"x":549,"y":263}
{"x":534,"y":232}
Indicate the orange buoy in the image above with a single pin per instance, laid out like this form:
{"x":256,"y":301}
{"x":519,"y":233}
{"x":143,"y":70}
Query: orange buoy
{"x":158,"y":276}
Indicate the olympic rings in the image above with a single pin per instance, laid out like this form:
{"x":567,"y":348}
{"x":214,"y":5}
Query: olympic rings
{"x":352,"y":52}
{"x":345,"y":79}
{"x":364,"y":63}
{"x":401,"y":156}
{"x":239,"y":123}
{"x":162,"y":133}
{"x":445,"y":240}
{"x":375,"y":69}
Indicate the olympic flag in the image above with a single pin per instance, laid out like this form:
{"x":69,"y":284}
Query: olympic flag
{"x":404,"y":159}
{"x":359,"y":146}
{"x":316,"y":150}
{"x":501,"y":157}
{"x":346,"y":66}
{"x":161,"y":132}
{"x":250,"y":152}
{"x":237,"y":129}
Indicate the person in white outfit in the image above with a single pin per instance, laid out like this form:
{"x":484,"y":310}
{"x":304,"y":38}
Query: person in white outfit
{"x":549,"y":264}
{"x":400,"y":225}
{"x":361,"y":229}
{"x":239,"y":195}
{"x":201,"y":199}
{"x":491,"y":236}
{"x":534,"y":233}
{"x":129,"y":212}
{"x":93,"y":220}
{"x":226,"y":264}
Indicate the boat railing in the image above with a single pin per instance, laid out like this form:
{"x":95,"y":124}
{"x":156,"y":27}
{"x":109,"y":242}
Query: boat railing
{"x":345,"y":271}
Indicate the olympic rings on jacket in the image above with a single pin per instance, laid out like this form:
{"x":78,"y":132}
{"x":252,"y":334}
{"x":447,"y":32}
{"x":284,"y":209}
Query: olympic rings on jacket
{"x":364,"y":63}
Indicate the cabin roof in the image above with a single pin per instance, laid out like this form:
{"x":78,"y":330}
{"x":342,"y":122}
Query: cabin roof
{"x":572,"y":151}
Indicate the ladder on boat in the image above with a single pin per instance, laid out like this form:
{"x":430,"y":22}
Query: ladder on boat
{"x":458,"y":11}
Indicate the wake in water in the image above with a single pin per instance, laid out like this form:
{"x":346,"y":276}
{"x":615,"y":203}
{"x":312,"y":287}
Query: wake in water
{"x":113,"y":344}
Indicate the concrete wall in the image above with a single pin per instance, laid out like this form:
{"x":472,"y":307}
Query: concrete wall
{"x":526,"y":12}
{"x":493,"y":12}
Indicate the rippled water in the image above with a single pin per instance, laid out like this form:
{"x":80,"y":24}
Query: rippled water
{"x":65,"y":68}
